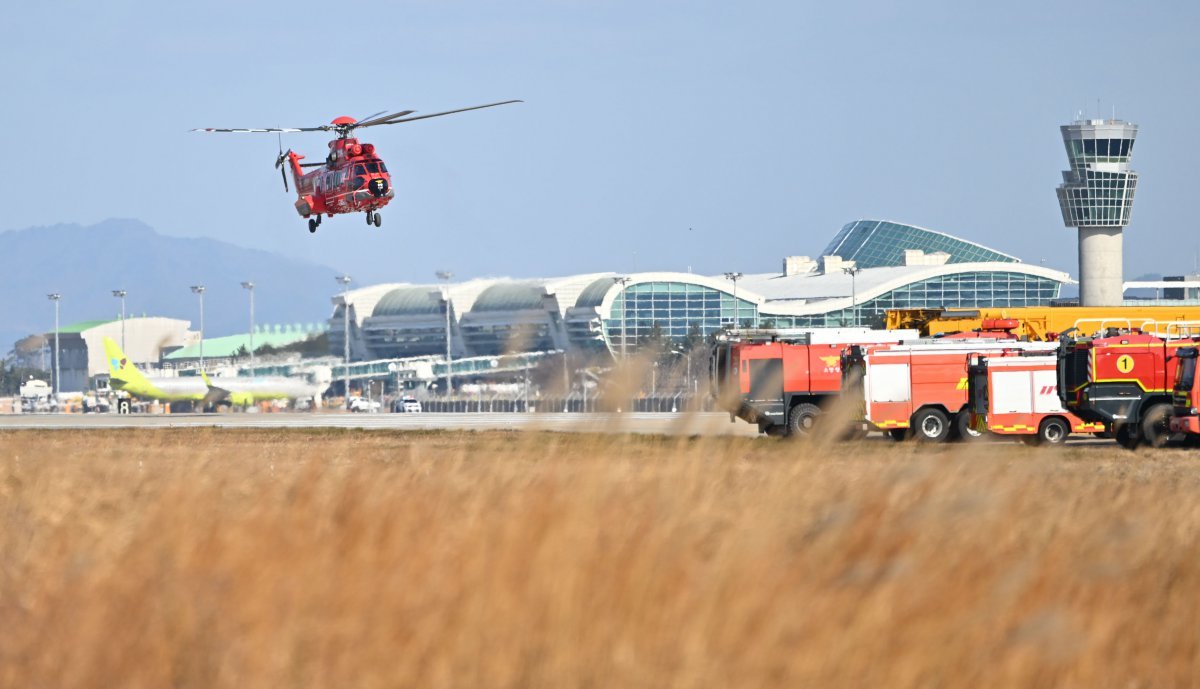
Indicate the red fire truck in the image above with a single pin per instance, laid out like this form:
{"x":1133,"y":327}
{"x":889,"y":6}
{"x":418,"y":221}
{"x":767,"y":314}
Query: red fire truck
{"x":1018,"y":396}
{"x":780,"y":379}
{"x":1123,"y":379}
{"x":920,"y":389}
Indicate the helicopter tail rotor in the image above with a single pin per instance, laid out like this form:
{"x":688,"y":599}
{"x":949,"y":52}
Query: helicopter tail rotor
{"x":279,"y":164}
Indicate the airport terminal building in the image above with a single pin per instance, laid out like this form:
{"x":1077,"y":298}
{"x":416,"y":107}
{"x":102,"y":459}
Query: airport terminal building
{"x":870,"y":266}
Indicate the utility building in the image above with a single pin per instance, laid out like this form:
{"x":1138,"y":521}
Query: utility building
{"x":1096,"y":196}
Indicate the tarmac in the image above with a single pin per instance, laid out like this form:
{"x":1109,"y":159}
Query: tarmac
{"x":704,"y":423}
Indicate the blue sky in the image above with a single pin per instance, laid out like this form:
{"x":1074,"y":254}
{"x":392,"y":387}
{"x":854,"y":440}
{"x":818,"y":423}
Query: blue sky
{"x":761,"y":126}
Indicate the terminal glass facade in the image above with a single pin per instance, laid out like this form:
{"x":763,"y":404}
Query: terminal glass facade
{"x":972,"y":289}
{"x":674,"y":308}
{"x":877,"y":243}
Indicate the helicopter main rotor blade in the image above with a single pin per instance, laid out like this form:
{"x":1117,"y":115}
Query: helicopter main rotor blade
{"x":389,"y":120}
{"x":373,"y":120}
{"x":211,"y":130}
{"x":371,"y":117}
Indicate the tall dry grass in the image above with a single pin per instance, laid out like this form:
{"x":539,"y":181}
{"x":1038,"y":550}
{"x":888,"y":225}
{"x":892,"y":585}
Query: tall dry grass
{"x":265,"y":559}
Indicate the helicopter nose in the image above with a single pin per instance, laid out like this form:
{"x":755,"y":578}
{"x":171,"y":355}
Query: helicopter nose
{"x":378,"y":187}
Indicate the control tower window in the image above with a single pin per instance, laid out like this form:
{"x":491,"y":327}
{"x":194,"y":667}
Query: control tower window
{"x":1089,"y":147}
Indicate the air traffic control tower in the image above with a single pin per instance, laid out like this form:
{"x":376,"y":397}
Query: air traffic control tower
{"x":1096,"y":196}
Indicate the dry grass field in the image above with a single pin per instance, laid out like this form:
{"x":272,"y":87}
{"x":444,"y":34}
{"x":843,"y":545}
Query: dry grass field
{"x":215,"y":558}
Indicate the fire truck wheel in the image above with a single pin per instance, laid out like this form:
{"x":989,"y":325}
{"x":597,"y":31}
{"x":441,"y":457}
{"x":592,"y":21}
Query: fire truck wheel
{"x":1124,"y":437}
{"x":931,"y":426}
{"x":802,"y":419}
{"x":1053,"y":431}
{"x":898,"y":434}
{"x":962,"y":427}
{"x":1155,"y":429}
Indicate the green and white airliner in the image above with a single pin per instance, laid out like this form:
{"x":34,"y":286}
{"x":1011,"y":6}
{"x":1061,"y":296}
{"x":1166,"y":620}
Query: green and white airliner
{"x":243,"y":392}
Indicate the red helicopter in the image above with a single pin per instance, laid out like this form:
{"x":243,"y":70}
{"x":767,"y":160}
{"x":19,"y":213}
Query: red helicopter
{"x":353,"y":178}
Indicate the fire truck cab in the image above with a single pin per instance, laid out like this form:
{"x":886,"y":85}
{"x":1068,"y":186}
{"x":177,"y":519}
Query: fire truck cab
{"x":1122,"y":380}
{"x":1185,"y":396}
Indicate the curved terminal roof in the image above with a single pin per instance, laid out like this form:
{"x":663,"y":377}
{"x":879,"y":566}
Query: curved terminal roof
{"x":879,"y":243}
{"x":593,"y":294}
{"x":511,"y":296}
{"x":409,"y":301}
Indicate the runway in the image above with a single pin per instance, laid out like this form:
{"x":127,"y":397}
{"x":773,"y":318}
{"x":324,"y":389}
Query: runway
{"x":706,"y":423}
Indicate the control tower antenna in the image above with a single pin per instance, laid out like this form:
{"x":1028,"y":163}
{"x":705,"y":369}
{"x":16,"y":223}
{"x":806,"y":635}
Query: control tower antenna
{"x":1096,"y":197}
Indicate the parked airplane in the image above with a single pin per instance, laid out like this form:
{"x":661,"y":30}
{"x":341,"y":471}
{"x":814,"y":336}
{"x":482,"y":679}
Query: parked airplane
{"x":203,"y":390}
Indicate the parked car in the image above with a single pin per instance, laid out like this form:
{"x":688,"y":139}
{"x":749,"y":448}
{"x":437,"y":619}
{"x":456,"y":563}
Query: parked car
{"x":362,"y":404}
{"x":407,"y":405}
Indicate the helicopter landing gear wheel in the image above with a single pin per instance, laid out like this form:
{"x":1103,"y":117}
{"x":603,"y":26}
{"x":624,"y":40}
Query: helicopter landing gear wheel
{"x":369,"y":217}
{"x":376,"y":219}
{"x":312,"y":225}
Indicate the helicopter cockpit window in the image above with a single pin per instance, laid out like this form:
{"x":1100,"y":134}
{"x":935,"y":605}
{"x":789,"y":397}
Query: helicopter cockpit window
{"x":382,"y":167}
{"x":360,"y":169}
{"x":372,"y":167}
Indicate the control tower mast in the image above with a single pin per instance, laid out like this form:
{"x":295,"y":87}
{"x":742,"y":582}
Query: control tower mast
{"x":1096,"y":196}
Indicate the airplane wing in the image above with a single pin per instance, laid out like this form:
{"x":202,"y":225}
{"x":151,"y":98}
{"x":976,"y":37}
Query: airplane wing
{"x":215,"y":394}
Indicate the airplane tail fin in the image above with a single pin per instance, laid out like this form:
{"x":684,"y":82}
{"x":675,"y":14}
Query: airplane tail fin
{"x":121,"y":370}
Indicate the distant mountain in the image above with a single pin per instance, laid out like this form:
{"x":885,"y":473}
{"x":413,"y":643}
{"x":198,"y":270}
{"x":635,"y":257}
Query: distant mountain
{"x":85,"y":264}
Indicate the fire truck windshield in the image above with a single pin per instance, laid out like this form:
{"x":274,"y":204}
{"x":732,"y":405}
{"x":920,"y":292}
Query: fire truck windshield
{"x":1185,"y":374}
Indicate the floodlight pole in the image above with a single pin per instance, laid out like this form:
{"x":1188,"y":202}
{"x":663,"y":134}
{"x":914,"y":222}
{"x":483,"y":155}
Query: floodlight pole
{"x":446,"y":276}
{"x":199,"y":291}
{"x":852,"y":271}
{"x":249,"y":286}
{"x":734,"y":277}
{"x":57,"y":387}
{"x":344,"y":280}
{"x":120,"y":293}
{"x":623,"y":281}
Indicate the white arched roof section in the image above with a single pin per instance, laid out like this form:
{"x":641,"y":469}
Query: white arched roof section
{"x":364,"y":299}
{"x":567,"y":290}
{"x":876,"y":282}
{"x":719,"y":284}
